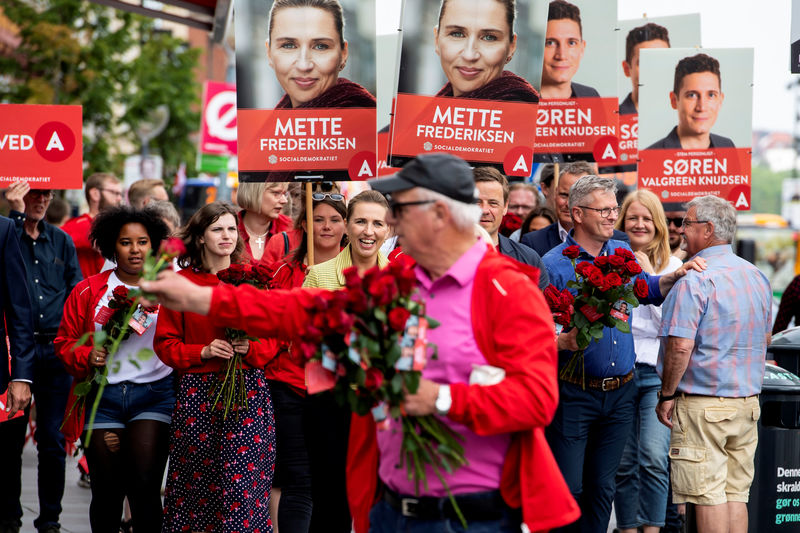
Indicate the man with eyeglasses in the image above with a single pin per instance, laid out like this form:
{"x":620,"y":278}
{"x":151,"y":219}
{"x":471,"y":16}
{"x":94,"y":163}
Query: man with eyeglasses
{"x":715,"y":330}
{"x":52,"y":272}
{"x":592,"y":424}
{"x":102,"y":190}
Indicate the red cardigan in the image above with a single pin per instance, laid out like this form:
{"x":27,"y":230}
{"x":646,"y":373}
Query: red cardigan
{"x":180,"y":337}
{"x":77,"y":319}
{"x":514,"y":331}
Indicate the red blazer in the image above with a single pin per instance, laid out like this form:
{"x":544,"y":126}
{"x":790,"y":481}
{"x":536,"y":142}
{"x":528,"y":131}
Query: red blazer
{"x":77,"y":319}
{"x":276,"y":247}
{"x":180,"y":337}
{"x":89,"y":259}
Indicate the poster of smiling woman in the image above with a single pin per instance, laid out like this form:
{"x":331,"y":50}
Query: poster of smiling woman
{"x":467,"y":81}
{"x":305,"y":81}
{"x":695,"y":123}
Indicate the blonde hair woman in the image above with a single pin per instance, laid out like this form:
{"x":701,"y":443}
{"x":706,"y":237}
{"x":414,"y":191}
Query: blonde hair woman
{"x":642,"y":480}
{"x":261,"y":216}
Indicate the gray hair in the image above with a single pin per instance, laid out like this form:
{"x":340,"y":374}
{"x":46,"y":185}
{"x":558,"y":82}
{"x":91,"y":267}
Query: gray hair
{"x":165,"y":210}
{"x":587,"y":185}
{"x":577,"y":168}
{"x":717,"y":211}
{"x":465,"y":216}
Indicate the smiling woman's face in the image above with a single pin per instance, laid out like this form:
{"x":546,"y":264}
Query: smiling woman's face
{"x":305,"y":50}
{"x":474,"y":42}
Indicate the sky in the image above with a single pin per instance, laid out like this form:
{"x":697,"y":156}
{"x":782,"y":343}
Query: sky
{"x":724,"y":23}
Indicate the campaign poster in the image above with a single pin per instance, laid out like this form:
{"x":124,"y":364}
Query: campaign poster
{"x":467,"y":82}
{"x":305,"y":91}
{"x":695,"y":123}
{"x":577,"y":117}
{"x":795,"y":38}
{"x":43,"y":145}
{"x":679,"y":31}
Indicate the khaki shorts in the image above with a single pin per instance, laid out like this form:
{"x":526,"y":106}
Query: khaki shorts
{"x":712,"y":447}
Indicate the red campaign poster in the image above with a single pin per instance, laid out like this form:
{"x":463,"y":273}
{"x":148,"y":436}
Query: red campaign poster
{"x":383,"y":155}
{"x":585,"y":126}
{"x":628,"y":150}
{"x":338,"y":143}
{"x":677,"y":175}
{"x":218,"y":128}
{"x":478,"y":131}
{"x":42,"y":144}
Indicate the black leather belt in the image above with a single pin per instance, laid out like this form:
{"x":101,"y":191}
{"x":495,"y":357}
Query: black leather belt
{"x":44,"y":337}
{"x":603,"y":384}
{"x":475,"y":507}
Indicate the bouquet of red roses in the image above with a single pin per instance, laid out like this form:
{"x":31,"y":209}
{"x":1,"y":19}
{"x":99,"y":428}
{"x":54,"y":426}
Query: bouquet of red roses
{"x":605,"y":295}
{"x":232,"y":390}
{"x":367,"y":343}
{"x":116,"y":322}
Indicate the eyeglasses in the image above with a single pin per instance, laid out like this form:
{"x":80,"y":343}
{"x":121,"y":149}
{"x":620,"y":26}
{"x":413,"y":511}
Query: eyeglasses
{"x":604,"y":212}
{"x":319,"y":196}
{"x":397,"y":207}
{"x":112,"y":191}
{"x":687,"y":222}
{"x":678,"y":221}
{"x":41,"y":193}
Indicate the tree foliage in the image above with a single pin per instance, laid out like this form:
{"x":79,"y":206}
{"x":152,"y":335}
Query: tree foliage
{"x":117,"y":65}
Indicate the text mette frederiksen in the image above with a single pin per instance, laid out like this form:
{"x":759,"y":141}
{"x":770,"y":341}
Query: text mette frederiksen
{"x":306,"y":143}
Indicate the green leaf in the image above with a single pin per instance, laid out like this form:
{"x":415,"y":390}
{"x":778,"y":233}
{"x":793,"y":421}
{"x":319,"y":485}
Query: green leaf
{"x":397,"y":383}
{"x":583,"y":339}
{"x":623,"y":326}
{"x":380,"y":314}
{"x":81,"y":340}
{"x":100,"y":379}
{"x":135,"y":363}
{"x":99,"y":338}
{"x":82,"y":388}
{"x":393,"y":354}
{"x":432,"y":324}
{"x":145,"y":354}
{"x":412,"y":380}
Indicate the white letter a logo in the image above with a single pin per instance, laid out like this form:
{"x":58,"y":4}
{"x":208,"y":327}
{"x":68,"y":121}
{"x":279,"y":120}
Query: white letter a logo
{"x":521,"y":165}
{"x":55,"y":143}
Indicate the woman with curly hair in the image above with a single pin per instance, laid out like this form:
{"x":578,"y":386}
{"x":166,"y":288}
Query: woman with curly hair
{"x":128,"y":449}
{"x":221,"y":467}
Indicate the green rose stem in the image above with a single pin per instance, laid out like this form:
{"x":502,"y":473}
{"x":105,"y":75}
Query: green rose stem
{"x":102,"y":385}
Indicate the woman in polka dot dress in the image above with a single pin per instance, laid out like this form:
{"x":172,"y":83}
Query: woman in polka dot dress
{"x":220,"y":470}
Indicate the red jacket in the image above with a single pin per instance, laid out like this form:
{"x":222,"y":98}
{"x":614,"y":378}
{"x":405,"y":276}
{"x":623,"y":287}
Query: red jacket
{"x":276,"y":249}
{"x":90,"y":259}
{"x":180,"y":337}
{"x":77,"y":319}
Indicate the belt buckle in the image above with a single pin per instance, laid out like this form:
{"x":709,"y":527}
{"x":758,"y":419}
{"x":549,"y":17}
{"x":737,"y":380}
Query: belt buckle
{"x":609,"y":384}
{"x":408,"y":507}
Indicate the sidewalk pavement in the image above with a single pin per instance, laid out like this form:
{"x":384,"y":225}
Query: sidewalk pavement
{"x":75,"y":514}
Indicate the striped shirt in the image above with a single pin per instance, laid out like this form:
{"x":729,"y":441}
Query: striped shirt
{"x":726,"y":310}
{"x":328,"y":275}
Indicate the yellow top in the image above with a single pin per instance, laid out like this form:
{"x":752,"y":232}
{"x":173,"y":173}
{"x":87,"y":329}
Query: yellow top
{"x":328,"y":275}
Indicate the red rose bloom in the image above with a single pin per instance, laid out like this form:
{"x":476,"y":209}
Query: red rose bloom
{"x":632,"y":268}
{"x":624,"y":253}
{"x":351,"y":277}
{"x":596,"y":279}
{"x":552,"y":295}
{"x":172,"y":247}
{"x":120,"y":293}
{"x":601,"y":261}
{"x":616,"y":261}
{"x":373,"y":379}
{"x":561,"y":318}
{"x":572,"y":252}
{"x":640,"y":288}
{"x":398,"y":317}
{"x":613,"y":280}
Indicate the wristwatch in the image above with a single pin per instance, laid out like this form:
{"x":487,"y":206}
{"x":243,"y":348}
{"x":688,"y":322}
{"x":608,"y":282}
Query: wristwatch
{"x":666,"y":397}
{"x":443,"y":400}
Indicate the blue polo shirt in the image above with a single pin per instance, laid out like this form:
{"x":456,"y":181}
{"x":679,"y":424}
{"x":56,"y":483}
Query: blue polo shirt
{"x":53,"y":271}
{"x":613,"y":354}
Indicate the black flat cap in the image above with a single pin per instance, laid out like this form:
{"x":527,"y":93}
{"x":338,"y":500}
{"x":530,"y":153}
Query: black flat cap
{"x":444,"y":173}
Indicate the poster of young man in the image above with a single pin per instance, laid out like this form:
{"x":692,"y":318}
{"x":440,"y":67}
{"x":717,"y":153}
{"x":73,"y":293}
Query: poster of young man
{"x":680,"y":31}
{"x":577,"y":117}
{"x":695,"y":120}
{"x":305,"y":84}
{"x":466,"y":81}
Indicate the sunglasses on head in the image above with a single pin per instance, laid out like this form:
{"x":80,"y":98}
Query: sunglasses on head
{"x":319,"y":196}
{"x":678,"y":221}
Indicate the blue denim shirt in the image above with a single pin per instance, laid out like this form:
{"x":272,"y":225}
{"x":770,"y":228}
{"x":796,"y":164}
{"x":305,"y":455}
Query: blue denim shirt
{"x":614,"y":354}
{"x":53,"y":271}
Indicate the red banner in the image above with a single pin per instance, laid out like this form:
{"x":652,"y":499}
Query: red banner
{"x":478,"y":131}
{"x":628,"y":151}
{"x":578,"y":126}
{"x":678,"y":175}
{"x":43,"y":145}
{"x":218,"y":128}
{"x":298,"y":140}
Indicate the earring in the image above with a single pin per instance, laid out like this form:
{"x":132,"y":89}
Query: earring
{"x":508,"y":59}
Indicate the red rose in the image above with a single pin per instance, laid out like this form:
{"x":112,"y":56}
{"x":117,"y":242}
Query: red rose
{"x":552,"y":295}
{"x":120,"y":293}
{"x":583,"y":268}
{"x":572,"y":252}
{"x":616,"y":261}
{"x":172,"y":247}
{"x":357,"y":300}
{"x":612,"y":281}
{"x":624,"y":253}
{"x":596,"y":278}
{"x":351,"y":277}
{"x":601,"y":261}
{"x":374,"y":379}
{"x":640,"y":288}
{"x":406,"y":280}
{"x":632,"y":268}
{"x":566,"y":299}
{"x":561,"y":318}
{"x":398,"y":317}
{"x":591,"y":313}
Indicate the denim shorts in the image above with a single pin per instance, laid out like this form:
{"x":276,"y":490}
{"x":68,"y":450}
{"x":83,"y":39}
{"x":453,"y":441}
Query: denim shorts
{"x":126,"y":402}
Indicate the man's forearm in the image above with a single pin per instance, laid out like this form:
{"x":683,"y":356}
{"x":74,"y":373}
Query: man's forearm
{"x":676,"y":359}
{"x":666,"y":282}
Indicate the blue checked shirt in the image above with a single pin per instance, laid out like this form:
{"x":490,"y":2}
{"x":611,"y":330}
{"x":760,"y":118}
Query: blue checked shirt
{"x":614,"y":354}
{"x":727,"y":311}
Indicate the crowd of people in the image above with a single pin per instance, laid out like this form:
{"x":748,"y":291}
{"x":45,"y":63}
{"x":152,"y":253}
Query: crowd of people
{"x":552,"y":452}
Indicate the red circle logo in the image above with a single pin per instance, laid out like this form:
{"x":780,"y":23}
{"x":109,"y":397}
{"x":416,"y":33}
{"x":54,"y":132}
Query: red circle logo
{"x":606,"y":149}
{"x":54,"y":141}
{"x":362,"y":166}
{"x":518,"y":161}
